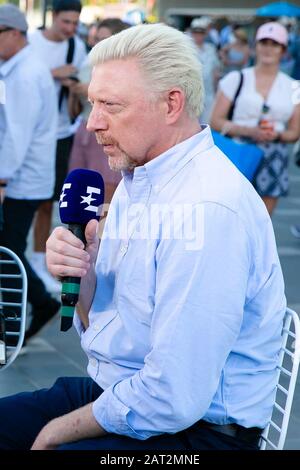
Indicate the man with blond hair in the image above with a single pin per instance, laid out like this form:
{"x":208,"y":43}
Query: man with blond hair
{"x":181,"y":306}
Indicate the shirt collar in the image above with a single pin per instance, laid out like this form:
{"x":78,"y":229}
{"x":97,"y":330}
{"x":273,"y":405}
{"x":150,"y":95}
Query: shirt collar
{"x":160,"y":170}
{"x":163,"y":168}
{"x":7,"y":66}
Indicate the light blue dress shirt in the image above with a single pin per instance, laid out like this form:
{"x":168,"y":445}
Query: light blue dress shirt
{"x":28,"y":125}
{"x":187,"y":314}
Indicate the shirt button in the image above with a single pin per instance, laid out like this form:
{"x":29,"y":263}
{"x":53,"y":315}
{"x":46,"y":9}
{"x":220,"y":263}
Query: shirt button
{"x":123,"y":249}
{"x":93,"y":362}
{"x":96,"y":327}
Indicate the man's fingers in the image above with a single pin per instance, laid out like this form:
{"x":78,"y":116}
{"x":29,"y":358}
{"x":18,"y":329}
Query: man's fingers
{"x":69,"y":251}
{"x":61,"y":265}
{"x":55,"y":258}
{"x":67,"y":260}
{"x":65,"y":253}
{"x":60,"y":271}
{"x":61,"y":234}
{"x":91,"y":232}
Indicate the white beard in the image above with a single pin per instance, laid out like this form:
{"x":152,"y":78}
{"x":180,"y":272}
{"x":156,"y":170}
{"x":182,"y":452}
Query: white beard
{"x":121,"y":163}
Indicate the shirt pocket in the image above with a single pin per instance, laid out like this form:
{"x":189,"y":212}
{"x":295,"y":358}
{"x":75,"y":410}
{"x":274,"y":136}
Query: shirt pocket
{"x":134,"y":280}
{"x":98,"y":322}
{"x":136,"y":288}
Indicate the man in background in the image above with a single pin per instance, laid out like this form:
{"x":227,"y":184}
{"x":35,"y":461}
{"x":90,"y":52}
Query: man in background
{"x":63,"y":52}
{"x":208,"y":57}
{"x":28,"y":124}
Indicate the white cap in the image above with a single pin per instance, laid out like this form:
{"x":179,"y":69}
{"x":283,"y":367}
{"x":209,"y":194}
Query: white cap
{"x":274,"y":31}
{"x":200,"y":24}
{"x":12,"y":17}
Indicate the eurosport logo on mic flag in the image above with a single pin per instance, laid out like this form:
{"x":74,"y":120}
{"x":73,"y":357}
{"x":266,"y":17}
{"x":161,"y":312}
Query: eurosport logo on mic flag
{"x":81,"y":197}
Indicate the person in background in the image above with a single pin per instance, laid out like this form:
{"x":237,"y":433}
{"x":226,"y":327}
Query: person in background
{"x":295,"y":50}
{"x":86,"y":152}
{"x":295,"y":228}
{"x":212,"y":33}
{"x":265,"y":112}
{"x":176,"y":361}
{"x":82,"y":32}
{"x":92,"y":38}
{"x":287,"y":62}
{"x":235,"y":55}
{"x":28,"y":124}
{"x":52,"y":46}
{"x":210,"y":63}
{"x":226,"y":34}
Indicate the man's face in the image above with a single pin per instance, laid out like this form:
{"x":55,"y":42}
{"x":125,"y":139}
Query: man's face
{"x":7,"y":41}
{"x":126,"y":122}
{"x":198,"y":37}
{"x":103,"y":33}
{"x":92,"y":36}
{"x":65,"y":24}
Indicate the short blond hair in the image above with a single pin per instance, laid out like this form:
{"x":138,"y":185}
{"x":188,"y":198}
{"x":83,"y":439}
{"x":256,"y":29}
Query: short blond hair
{"x":167,"y":57}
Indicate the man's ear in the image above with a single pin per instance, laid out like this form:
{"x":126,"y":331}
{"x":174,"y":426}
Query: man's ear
{"x":175,"y":100}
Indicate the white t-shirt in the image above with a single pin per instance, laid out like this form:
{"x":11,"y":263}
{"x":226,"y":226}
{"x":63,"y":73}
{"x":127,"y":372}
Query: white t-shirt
{"x":248,"y":106}
{"x":54,"y":55}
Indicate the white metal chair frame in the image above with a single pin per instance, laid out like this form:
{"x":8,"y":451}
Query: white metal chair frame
{"x":290,"y":352}
{"x":13,"y":351}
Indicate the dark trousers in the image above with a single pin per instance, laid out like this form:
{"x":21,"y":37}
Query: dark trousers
{"x":18,"y":216}
{"x":25,"y":414}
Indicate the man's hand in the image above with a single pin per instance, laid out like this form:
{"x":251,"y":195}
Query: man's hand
{"x":66,"y":256}
{"x":75,"y":426}
{"x":65,"y":253}
{"x":45,"y":439}
{"x":64,"y":71}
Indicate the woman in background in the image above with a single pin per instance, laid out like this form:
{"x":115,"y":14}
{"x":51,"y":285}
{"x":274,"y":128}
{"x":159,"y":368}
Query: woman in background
{"x":264,"y":112}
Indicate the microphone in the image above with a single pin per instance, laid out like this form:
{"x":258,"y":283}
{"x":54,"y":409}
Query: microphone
{"x":80,"y":200}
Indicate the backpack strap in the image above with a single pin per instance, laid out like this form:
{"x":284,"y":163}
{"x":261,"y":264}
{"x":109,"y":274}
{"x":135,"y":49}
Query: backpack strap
{"x":64,"y":91}
{"x":231,"y":110}
{"x":71,"y":49}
